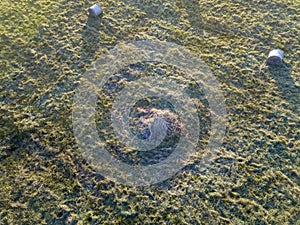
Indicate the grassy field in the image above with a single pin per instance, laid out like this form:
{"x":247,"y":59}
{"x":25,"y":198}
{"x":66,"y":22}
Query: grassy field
{"x":47,"y":46}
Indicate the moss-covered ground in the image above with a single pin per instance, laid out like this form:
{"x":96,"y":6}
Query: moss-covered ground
{"x":45,"y":48}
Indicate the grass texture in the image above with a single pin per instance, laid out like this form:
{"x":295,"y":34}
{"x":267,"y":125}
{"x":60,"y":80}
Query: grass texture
{"x":46,"y":46}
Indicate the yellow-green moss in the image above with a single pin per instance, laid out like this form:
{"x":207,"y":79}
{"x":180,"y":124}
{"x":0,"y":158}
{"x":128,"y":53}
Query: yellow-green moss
{"x":45,"y":48}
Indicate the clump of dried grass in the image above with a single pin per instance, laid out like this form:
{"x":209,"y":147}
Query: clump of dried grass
{"x":160,"y":122}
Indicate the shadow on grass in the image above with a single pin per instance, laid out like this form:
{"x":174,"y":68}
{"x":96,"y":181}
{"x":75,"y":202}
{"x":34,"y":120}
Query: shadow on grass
{"x":200,"y":23}
{"x":90,"y":41}
{"x":288,"y":89}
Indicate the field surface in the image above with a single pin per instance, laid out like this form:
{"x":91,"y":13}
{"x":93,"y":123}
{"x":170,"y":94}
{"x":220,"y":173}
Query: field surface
{"x":46,"y":47}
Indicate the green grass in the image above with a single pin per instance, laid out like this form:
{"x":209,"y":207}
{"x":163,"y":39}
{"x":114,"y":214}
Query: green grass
{"x":45,"y":48}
